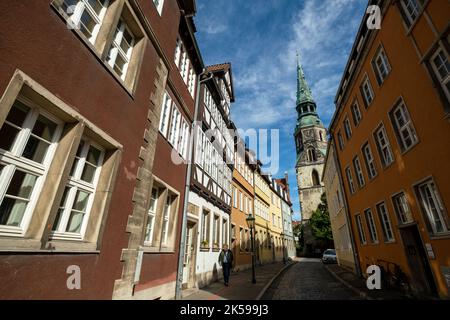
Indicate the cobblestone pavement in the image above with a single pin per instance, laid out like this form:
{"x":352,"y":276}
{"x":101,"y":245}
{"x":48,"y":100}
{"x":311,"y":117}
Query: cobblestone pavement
{"x":308,"y":280}
{"x":241,"y":287}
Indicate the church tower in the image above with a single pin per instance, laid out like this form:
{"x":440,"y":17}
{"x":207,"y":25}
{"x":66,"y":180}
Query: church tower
{"x":311,"y":144}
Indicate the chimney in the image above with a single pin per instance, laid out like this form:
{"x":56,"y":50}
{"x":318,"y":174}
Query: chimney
{"x":286,"y":177}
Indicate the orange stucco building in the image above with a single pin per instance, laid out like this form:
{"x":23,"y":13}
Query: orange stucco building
{"x":392,"y":134}
{"x":242,"y":205}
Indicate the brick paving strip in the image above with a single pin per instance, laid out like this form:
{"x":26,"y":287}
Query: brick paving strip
{"x":241,"y":286}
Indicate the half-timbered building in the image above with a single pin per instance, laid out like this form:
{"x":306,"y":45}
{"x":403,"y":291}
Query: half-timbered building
{"x":209,"y":206}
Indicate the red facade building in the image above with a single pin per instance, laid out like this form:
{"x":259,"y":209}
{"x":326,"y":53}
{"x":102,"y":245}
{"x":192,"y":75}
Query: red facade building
{"x":88,"y":187}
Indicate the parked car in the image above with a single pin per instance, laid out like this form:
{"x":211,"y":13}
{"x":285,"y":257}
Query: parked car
{"x":329,"y":256}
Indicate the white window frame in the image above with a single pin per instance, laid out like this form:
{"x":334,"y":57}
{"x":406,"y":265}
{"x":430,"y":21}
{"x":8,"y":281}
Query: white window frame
{"x":241,"y":201}
{"x":75,"y":184}
{"x":199,"y":150}
{"x":384,"y":148}
{"x":402,"y":208}
{"x":407,"y":126}
{"x":174,"y":128}
{"x":13,"y":160}
{"x":443,"y":81}
{"x":356,"y":114}
{"x":411,"y":9}
{"x":359,"y":173}
{"x":178,"y":51}
{"x":369,"y":161}
{"x":386,"y":224}
{"x":362,"y":234}
{"x":75,"y":13}
{"x":205,"y":226}
{"x":166,"y":212}
{"x":214,"y":158}
{"x":183,"y":140}
{"x":380,"y":62}
{"x":225,"y":233}
{"x":165,"y":114}
{"x":115,"y":50}
{"x":433,"y":206}
{"x":340,"y":140}
{"x":371,"y":225}
{"x":367,"y":91}
{"x":152,"y":212}
{"x":216,"y":229}
{"x":348,"y":172}
{"x":192,"y":81}
{"x":347,"y":128}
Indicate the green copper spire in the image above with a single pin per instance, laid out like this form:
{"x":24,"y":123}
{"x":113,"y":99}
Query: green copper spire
{"x":306,"y":106}
{"x":303,"y":92}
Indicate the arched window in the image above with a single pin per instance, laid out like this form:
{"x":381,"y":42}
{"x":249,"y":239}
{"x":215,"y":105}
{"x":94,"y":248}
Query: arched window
{"x":312,"y":155}
{"x":315,"y":178}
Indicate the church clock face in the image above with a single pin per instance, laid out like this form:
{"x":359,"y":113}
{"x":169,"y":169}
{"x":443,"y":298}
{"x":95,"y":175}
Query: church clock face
{"x":309,"y":134}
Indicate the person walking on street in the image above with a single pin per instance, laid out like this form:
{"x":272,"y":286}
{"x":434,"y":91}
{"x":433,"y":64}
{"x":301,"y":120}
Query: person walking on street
{"x":226,"y":262}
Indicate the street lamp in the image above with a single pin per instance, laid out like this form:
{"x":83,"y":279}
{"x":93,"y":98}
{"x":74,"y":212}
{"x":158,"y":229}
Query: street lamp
{"x":251,"y":224}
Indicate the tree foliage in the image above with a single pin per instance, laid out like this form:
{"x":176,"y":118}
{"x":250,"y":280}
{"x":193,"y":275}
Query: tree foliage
{"x":320,"y":221}
{"x":299,"y":232}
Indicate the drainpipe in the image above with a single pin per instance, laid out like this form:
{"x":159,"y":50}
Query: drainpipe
{"x":347,"y":213}
{"x":179,"y":281}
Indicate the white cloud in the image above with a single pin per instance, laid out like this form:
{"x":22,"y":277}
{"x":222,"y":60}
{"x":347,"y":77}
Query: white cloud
{"x":215,"y":28}
{"x":264,"y":63}
{"x":318,"y":31}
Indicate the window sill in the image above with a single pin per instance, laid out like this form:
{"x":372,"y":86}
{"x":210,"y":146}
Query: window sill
{"x":380,"y":85}
{"x":407,"y":224}
{"x":76,"y":246}
{"x":34,"y":245}
{"x":204,"y":249}
{"x":385,"y":167}
{"x":447,"y":116}
{"x":14,"y":244}
{"x":410,"y":148}
{"x":148,"y":249}
{"x":442,"y":236}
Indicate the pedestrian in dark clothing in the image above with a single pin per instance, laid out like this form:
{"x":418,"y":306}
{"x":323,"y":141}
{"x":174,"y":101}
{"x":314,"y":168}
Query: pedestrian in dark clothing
{"x":226,"y":262}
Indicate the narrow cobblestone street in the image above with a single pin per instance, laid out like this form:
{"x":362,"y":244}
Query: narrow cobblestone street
{"x":308,"y":280}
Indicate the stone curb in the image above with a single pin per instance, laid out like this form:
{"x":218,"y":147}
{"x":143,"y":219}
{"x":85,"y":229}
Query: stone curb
{"x":266,"y":287}
{"x":361,"y":293}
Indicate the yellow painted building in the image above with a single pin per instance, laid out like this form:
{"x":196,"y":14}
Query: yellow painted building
{"x":262,"y":224}
{"x":276,"y":222}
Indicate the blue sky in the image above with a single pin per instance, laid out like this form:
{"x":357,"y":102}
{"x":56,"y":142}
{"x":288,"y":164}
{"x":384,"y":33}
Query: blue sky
{"x":260,"y":39}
